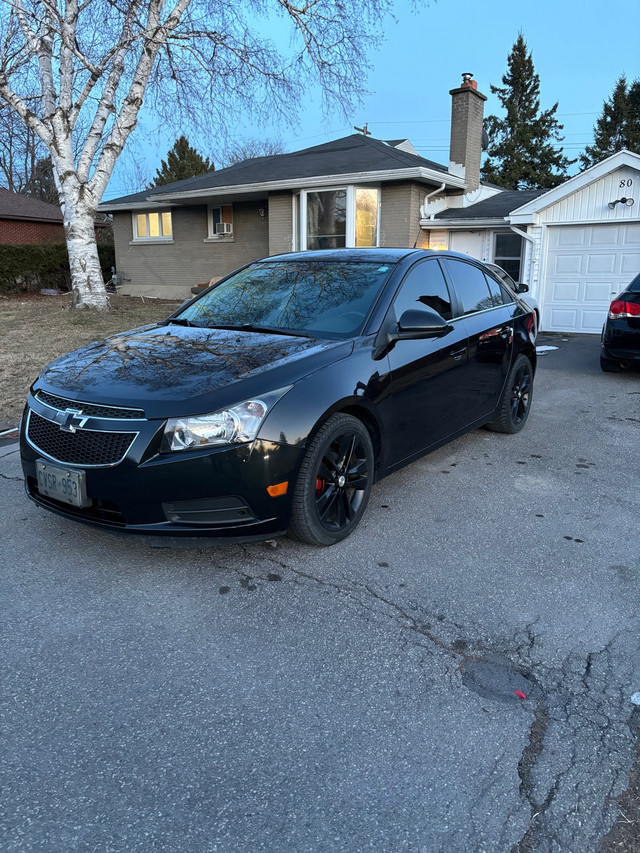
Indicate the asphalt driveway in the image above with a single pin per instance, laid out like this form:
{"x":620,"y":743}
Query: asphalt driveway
{"x":457,"y":676}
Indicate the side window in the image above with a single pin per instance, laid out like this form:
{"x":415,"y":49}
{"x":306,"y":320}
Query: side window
{"x":424,"y":284}
{"x":221,"y":221}
{"x":471,"y":286}
{"x":494,"y":290}
{"x":507,"y":296}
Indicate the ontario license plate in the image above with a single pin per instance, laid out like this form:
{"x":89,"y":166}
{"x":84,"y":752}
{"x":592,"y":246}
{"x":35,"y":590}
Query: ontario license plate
{"x":62,"y":484}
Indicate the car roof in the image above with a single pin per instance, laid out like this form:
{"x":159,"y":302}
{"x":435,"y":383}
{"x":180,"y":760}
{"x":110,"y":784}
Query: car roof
{"x":372,"y":255}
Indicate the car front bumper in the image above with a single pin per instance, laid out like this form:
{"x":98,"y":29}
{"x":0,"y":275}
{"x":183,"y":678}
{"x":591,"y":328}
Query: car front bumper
{"x":218,"y":492}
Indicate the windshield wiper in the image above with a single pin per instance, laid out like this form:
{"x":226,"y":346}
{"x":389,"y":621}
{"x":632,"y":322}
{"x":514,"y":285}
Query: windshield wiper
{"x":251,"y":327}
{"x":182,"y":321}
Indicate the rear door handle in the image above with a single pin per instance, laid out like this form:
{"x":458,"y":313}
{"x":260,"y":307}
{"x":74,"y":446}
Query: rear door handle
{"x":457,"y":354}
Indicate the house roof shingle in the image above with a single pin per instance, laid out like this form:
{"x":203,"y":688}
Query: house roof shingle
{"x":496,"y":207}
{"x":353,"y":154}
{"x":18,"y":206}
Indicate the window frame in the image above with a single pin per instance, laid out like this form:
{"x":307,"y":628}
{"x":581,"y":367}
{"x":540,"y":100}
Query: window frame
{"x":211,"y":232}
{"x":300,"y":221}
{"x":497,"y":258}
{"x":137,"y":238}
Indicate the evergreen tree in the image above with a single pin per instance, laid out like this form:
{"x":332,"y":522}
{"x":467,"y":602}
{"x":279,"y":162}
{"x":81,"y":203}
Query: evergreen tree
{"x":522,"y":151}
{"x":619,"y":125}
{"x":182,"y":162}
{"x":633,"y":123}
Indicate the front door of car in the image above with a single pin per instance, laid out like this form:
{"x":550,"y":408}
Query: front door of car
{"x":489,"y":326}
{"x":426,"y":401}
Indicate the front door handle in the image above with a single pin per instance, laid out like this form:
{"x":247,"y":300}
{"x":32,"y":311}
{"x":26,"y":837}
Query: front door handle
{"x":457,"y":354}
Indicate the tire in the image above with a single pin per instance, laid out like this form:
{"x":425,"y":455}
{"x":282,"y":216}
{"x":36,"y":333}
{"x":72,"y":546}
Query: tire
{"x":334,"y":483}
{"x":609,"y":365}
{"x":516,"y":398}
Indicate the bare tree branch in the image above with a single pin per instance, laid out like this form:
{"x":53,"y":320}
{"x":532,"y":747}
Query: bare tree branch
{"x":77,"y":73}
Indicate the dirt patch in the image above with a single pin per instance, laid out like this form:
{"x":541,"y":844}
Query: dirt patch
{"x":36,"y":329}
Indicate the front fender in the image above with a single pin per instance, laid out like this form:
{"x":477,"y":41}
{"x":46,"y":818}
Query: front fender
{"x":355,"y":383}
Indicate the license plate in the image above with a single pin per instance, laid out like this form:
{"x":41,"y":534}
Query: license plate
{"x":62,"y":484}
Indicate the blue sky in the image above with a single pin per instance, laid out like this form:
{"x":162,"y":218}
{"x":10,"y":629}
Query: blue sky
{"x":579,"y":51}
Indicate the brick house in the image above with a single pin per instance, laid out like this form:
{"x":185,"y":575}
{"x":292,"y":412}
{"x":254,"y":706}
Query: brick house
{"x":26,"y":220}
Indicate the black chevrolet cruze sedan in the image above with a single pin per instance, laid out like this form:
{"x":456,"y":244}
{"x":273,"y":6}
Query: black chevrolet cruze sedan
{"x":274,"y":400}
{"x":620,"y":342}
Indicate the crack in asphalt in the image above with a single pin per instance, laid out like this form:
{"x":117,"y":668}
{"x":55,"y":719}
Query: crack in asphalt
{"x":579,"y":756}
{"x":530,"y":755}
{"x":576,"y":763}
{"x":16,"y":479}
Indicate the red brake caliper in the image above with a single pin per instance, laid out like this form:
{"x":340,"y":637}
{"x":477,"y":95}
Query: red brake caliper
{"x":320,"y":485}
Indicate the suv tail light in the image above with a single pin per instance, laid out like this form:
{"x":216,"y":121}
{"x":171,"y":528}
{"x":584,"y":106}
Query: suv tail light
{"x":621,"y":308}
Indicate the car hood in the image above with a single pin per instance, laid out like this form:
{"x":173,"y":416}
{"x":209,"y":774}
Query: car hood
{"x":175,"y":370}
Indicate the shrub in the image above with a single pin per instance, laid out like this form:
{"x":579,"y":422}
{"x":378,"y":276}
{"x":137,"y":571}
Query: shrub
{"x":29,"y":268}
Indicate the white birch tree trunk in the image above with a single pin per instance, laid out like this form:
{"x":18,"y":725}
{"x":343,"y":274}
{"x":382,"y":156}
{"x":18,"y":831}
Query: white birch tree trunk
{"x":88,"y":284}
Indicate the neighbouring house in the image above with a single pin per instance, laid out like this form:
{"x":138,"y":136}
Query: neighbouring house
{"x":573,"y":245}
{"x":27,"y":220}
{"x":576,"y":246}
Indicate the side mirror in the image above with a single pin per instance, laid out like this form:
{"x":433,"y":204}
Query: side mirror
{"x":522,"y":288}
{"x":421,"y":323}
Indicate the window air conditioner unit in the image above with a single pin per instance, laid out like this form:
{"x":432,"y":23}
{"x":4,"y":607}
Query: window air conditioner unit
{"x":224,"y":228}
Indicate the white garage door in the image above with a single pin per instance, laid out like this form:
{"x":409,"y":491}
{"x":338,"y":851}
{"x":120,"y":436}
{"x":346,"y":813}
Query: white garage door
{"x":586,"y":266}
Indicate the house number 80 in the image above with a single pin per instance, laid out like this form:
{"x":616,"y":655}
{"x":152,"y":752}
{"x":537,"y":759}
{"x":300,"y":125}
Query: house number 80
{"x":627,"y":183}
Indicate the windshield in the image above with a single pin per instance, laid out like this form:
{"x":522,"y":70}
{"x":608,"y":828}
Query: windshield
{"x":317,"y":298}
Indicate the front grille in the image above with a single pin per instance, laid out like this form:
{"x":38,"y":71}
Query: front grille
{"x":82,"y":447}
{"x":93,"y":410}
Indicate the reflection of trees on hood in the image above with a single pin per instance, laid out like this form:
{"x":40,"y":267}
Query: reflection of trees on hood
{"x":288,"y":295}
{"x":161,"y":359}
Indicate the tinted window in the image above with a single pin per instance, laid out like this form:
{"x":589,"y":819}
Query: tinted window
{"x":494,"y":290}
{"x":471,"y":286}
{"x":424,"y":284}
{"x":507,"y":284}
{"x":634,"y":287}
{"x":331,"y":298}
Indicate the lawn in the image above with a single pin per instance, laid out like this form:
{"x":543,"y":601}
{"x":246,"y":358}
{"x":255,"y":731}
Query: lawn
{"x":36,"y":329}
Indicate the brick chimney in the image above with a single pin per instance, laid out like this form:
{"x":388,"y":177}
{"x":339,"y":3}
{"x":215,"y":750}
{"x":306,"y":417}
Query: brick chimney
{"x":465,"y":147}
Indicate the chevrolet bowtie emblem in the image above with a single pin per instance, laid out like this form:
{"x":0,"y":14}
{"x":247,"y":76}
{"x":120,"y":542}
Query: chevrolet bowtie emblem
{"x":70,"y":420}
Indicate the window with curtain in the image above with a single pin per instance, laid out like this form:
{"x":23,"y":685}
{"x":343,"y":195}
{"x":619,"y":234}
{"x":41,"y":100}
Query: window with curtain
{"x":153,"y":225}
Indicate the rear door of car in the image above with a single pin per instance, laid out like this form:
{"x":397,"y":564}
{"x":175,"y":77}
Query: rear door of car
{"x":489,"y":325}
{"x":427,"y":399}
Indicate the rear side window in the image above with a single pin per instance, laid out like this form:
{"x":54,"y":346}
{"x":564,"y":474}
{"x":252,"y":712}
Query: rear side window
{"x":495,"y":291}
{"x":471,"y":286}
{"x":424,"y":284}
{"x":634,"y":287}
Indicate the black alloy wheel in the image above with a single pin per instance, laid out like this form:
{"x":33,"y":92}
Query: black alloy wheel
{"x":334,"y":484}
{"x":516,"y":398}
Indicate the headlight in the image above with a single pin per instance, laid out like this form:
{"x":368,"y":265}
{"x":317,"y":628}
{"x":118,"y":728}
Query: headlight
{"x":238,"y":424}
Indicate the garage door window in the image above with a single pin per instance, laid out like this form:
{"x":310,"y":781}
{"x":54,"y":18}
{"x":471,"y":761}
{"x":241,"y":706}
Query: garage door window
{"x":508,"y":254}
